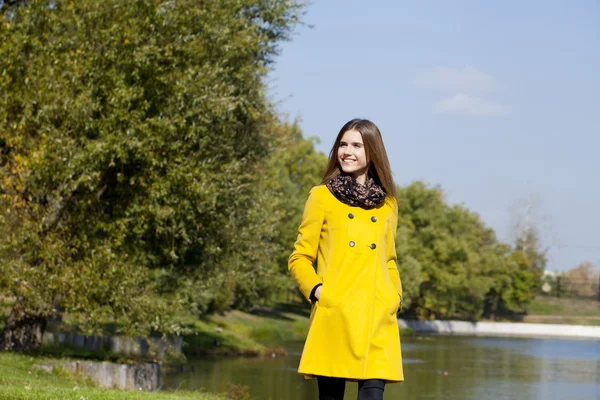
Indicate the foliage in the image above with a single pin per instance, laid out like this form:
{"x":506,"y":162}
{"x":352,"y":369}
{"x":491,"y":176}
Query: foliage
{"x":451,"y":246}
{"x":451,"y":264}
{"x":132,"y":136}
{"x":582,"y":280}
{"x":293,"y":169}
{"x":518,"y":283}
{"x":238,"y":392}
{"x":534,"y":256}
{"x":144,"y":173}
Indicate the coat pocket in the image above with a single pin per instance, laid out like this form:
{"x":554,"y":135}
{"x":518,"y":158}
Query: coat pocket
{"x":328,"y":289}
{"x":394,"y":297}
{"x":324,"y":300}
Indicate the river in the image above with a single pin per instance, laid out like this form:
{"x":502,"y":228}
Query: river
{"x":435,"y":367}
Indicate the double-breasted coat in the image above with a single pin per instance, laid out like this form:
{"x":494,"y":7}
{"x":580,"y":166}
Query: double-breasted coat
{"x":353,"y":327}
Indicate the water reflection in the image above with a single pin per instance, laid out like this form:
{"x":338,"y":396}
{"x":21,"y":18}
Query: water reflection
{"x":436,"y":367}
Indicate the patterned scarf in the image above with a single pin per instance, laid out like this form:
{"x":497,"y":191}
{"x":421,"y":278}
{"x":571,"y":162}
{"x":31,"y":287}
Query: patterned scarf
{"x":347,"y":190}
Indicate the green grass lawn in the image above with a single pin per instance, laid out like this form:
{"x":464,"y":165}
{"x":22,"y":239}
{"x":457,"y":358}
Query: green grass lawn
{"x":19,"y":380}
{"x":564,"y":306}
{"x":241,"y":333}
{"x":233,"y":333}
{"x":555,"y":310}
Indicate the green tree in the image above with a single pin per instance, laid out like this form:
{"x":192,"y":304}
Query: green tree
{"x":132,"y":137}
{"x":526,"y":220}
{"x":448,"y":258}
{"x":293,"y":169}
{"x":517,"y":281}
{"x":513,"y":284}
{"x":581,"y":280}
{"x":529,"y":244}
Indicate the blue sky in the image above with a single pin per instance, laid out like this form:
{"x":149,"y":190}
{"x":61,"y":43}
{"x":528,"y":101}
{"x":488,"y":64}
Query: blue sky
{"x":496,"y":102}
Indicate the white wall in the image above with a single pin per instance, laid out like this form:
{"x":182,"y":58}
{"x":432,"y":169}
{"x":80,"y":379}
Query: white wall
{"x":501,"y":329}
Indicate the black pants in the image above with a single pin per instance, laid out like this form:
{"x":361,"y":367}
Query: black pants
{"x":333,"y":388}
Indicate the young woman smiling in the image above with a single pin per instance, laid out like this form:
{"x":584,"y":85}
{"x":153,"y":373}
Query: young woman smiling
{"x":349,"y":228}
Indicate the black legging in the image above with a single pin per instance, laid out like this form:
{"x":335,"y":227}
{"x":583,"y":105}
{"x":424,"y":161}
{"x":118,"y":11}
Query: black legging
{"x":333,"y":388}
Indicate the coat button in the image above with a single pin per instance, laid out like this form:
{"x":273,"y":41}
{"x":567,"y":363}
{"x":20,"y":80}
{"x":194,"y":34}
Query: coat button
{"x":373,"y":246}
{"x":374,"y":218}
{"x":350,"y":215}
{"x":351,"y":244}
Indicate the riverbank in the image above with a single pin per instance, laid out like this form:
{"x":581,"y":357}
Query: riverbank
{"x":236,"y":333}
{"x":263,"y":331}
{"x":19,"y":379}
{"x":563,"y":311}
{"x":501,"y":329}
{"x":547,"y":317}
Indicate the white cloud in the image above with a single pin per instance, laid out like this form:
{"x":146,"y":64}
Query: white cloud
{"x":467,"y":79}
{"x":464,"y":104}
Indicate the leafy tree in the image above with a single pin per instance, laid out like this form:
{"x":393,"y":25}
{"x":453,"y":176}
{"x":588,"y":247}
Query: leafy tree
{"x":514,"y":284}
{"x":581,"y":280}
{"x":529,"y":244}
{"x":293,"y":169}
{"x":409,"y":267}
{"x":526,"y":220}
{"x":451,"y":264}
{"x":449,"y":244}
{"x":132,"y":137}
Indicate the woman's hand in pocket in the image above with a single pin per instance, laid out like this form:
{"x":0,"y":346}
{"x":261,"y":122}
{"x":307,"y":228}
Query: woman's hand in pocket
{"x":318,"y":293}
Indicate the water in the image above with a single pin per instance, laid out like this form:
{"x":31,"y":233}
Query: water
{"x":435,"y":367}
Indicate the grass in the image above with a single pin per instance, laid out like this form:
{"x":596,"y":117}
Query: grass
{"x":20,"y":380}
{"x":572,"y":311}
{"x":233,"y":333}
{"x":587,"y":321}
{"x":67,"y":351}
{"x":240,"y":333}
{"x":564,"y":306}
{"x":262,"y":331}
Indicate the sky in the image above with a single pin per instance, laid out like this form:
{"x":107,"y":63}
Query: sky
{"x":498,"y":103}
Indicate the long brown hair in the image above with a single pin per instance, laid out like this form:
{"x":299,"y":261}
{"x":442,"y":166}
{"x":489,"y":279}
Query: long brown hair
{"x":377,"y":160}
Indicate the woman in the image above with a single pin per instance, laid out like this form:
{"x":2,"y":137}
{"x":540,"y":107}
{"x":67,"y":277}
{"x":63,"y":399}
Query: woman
{"x":349,"y":228}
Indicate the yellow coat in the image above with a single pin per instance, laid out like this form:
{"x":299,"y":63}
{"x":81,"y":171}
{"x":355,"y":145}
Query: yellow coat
{"x":353,"y":327}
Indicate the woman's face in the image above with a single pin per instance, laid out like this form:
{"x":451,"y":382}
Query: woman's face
{"x":351,"y":155}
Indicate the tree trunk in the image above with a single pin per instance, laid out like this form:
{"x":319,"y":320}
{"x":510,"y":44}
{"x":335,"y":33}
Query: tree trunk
{"x":22,"y":332}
